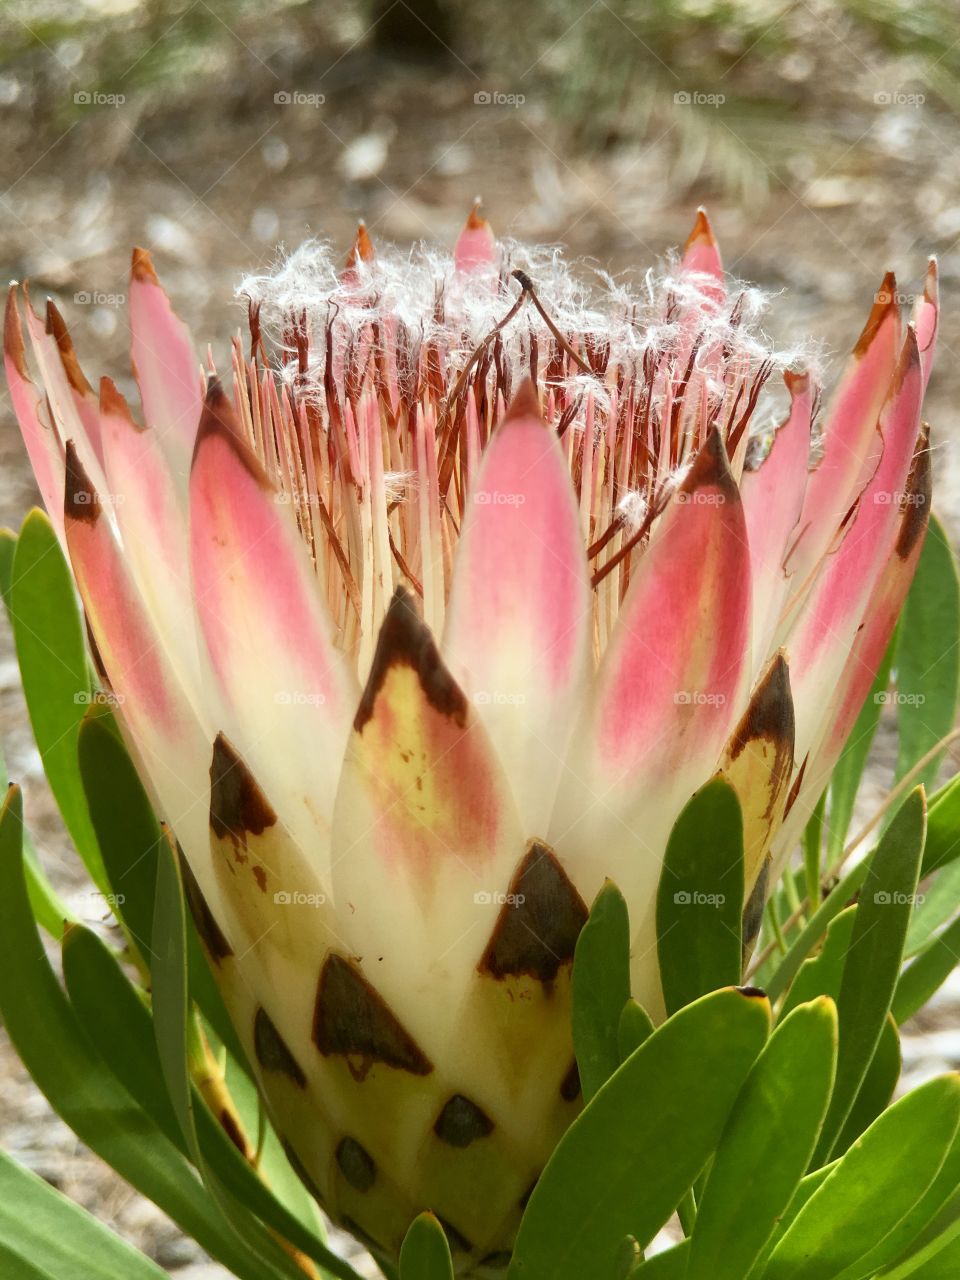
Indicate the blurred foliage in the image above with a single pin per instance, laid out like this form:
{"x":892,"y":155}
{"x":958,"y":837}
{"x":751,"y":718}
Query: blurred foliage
{"x":731,"y":89}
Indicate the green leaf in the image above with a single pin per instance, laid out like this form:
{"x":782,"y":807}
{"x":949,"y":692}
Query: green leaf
{"x":940,"y":1264}
{"x":928,"y":655}
{"x":425,"y":1254}
{"x":937,"y":1203}
{"x":879,"y":1086}
{"x":766,"y":1145}
{"x":822,"y":973}
{"x":42,"y":1233}
{"x":88,"y":1097}
{"x":53,"y":668}
{"x":941,"y":896}
{"x":943,"y":828}
{"x":130,"y":839}
{"x":872,"y":1188}
{"x":601,"y":988}
{"x":927,"y":973}
{"x":845,"y":780}
{"x":873,"y":960}
{"x":700,"y":897}
{"x":8,"y":549}
{"x":636,"y":1025}
{"x":117,"y":1022}
{"x":626,"y":1161}
{"x":670,"y":1264}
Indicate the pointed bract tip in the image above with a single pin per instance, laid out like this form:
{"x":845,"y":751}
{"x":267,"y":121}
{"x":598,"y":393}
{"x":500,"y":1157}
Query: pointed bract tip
{"x":885,"y":306}
{"x":797,"y":383}
{"x":141,"y":267}
{"x":218,"y":419}
{"x":113,"y":402}
{"x":475,"y":219}
{"x":702,"y":231}
{"x":362,"y":249}
{"x":909,"y":358}
{"x":57,"y":329}
{"x":80,"y":499}
{"x":525,"y":403}
{"x":13,"y":332}
{"x":711,"y":468}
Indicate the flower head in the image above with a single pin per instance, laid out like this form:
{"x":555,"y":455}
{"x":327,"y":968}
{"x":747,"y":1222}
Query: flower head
{"x":434,"y":617}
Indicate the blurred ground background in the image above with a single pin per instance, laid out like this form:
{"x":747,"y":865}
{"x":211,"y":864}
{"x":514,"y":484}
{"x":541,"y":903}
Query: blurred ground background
{"x":822,"y":136}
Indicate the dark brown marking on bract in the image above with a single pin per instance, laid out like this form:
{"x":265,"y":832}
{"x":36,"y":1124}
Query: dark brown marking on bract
{"x":537,"y":929}
{"x":406,"y":641}
{"x":273,"y":1052}
{"x":80,"y":499}
{"x":457,"y":1240}
{"x":753,"y":911}
{"x":753,"y":993}
{"x":218,"y":420}
{"x":237,"y":805}
{"x":915,"y":503}
{"x":570,"y":1085}
{"x":710,"y":469}
{"x":210,"y":932}
{"x":353,"y":1020}
{"x":13,"y":332}
{"x":462,"y":1122}
{"x":769,"y":714}
{"x":141,"y":267}
{"x":884,"y":304}
{"x":57,"y":328}
{"x":230,"y":1127}
{"x":356,"y":1164}
{"x":299,"y":1168}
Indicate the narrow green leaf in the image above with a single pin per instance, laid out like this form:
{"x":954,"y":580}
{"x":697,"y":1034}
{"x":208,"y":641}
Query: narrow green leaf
{"x":873,"y":961}
{"x":822,"y":973}
{"x":636,"y":1025}
{"x":928,"y":656}
{"x":601,"y":987}
{"x":425,"y":1253}
{"x":700,"y":897}
{"x":669,"y":1264}
{"x":937,"y":1264}
{"x":626,"y":1161}
{"x":932,"y":1208}
{"x":45,"y":1234}
{"x":44,"y":1030}
{"x":943,"y":828}
{"x":878,"y":1088}
{"x":130,"y":839}
{"x":171,"y":1015}
{"x":766,"y":1145}
{"x":53,"y":668}
{"x":8,"y":549}
{"x":927,"y":973}
{"x":872,"y":1188}
{"x":937,"y":905}
{"x":805,"y":1190}
{"x":845,"y":780}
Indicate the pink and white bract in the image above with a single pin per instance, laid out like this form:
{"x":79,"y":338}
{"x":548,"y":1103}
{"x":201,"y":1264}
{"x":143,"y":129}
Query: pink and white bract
{"x":437,"y":616}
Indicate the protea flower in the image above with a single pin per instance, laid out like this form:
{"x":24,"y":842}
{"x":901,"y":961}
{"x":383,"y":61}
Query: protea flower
{"x":434,"y":619}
